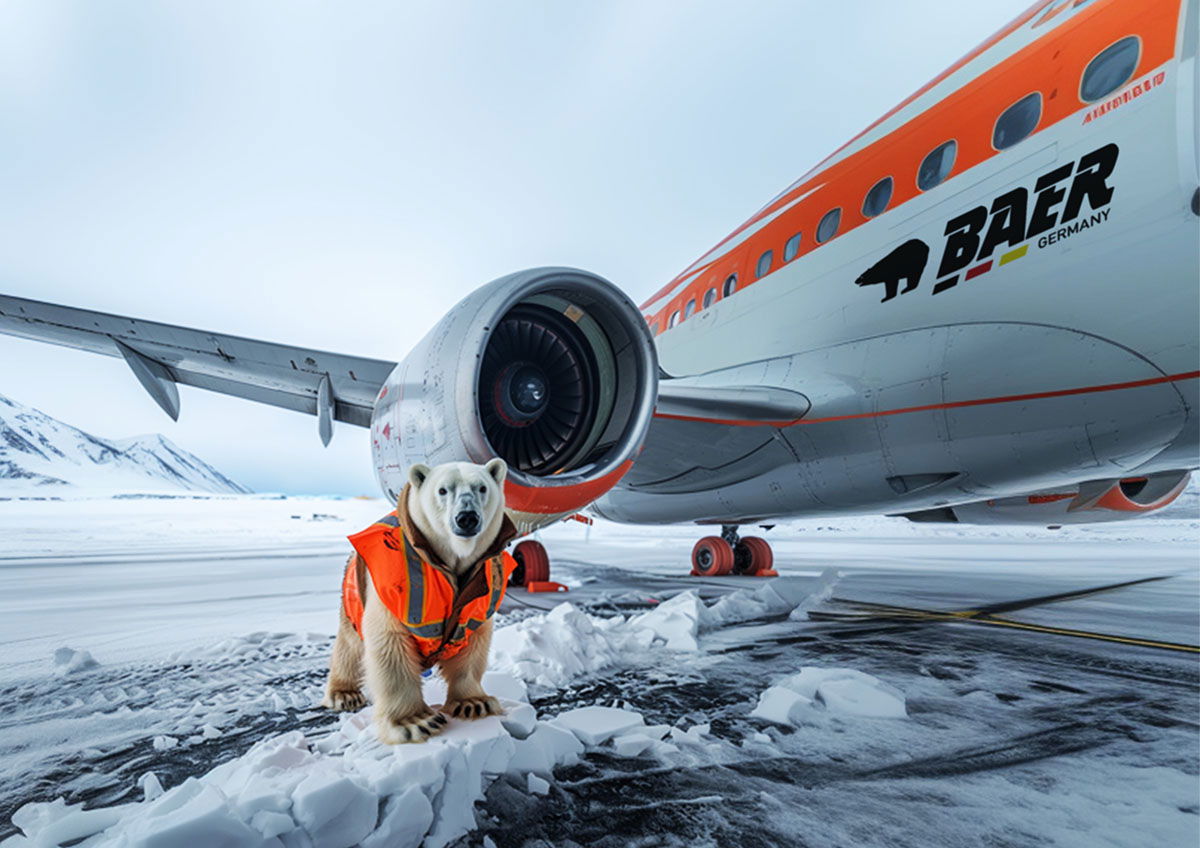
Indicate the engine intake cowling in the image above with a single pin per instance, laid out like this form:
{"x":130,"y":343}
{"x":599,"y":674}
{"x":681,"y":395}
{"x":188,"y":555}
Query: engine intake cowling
{"x":552,"y":369}
{"x":1083,"y":503}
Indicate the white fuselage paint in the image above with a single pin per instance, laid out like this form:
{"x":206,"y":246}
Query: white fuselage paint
{"x":1113,"y":300}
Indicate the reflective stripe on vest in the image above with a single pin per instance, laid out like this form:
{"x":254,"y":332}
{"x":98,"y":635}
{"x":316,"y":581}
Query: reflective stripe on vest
{"x":421,"y":595}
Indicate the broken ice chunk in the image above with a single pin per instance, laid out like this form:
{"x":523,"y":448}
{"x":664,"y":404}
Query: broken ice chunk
{"x":838,"y":691}
{"x":782,"y":706}
{"x":630,"y":745}
{"x":847,"y":691}
{"x":596,"y":725}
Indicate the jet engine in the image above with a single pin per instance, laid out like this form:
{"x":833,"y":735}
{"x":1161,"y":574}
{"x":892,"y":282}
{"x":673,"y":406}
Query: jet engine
{"x":1084,"y":503}
{"x":552,"y":369}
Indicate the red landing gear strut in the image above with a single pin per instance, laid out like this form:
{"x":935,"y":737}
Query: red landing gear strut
{"x":533,"y":568}
{"x":733,"y":554}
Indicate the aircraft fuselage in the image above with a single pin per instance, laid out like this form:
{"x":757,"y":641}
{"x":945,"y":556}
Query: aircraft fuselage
{"x":1027,"y":321}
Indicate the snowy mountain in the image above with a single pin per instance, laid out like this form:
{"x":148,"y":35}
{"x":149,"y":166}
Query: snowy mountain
{"x":39,"y":454}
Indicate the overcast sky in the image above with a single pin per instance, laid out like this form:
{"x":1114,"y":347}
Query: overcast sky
{"x":338,"y":175}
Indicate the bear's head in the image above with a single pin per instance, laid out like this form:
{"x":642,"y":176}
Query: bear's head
{"x":458,"y":506}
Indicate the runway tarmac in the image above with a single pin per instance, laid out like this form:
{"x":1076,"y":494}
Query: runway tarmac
{"x":1013,"y":737}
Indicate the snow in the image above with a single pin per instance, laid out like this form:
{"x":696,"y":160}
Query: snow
{"x":596,"y":725}
{"x":41,"y":457}
{"x":519,"y":720}
{"x":631,"y":744}
{"x":803,"y":697}
{"x":782,"y":706}
{"x":676,"y":622}
{"x":216,"y":593}
{"x":330,"y":791}
{"x":544,"y":748}
{"x":847,"y":691}
{"x":551,"y":651}
{"x":334,"y":810}
{"x":72,"y":661}
{"x":152,"y":787}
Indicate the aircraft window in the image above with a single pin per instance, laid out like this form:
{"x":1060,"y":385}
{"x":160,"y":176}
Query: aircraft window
{"x":709,"y":297}
{"x":674,"y":319}
{"x":1110,"y":70}
{"x":828,"y":227}
{"x":792,"y":247}
{"x":877,"y":198}
{"x":764,"y":264}
{"x":730,"y":285}
{"x":690,"y":308}
{"x":937,"y":165}
{"x":1017,"y":121}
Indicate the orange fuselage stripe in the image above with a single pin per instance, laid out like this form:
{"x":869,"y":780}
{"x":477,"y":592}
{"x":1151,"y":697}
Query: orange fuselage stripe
{"x":1000,"y":35}
{"x":1053,"y":65}
{"x":1083,"y":390}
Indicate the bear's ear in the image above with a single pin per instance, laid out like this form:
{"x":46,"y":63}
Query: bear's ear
{"x":418,"y":474}
{"x":498,"y":469}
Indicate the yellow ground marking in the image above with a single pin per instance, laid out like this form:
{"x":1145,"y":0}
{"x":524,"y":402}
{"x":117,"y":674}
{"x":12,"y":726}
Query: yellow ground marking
{"x":1088,"y":634}
{"x":900,"y":613}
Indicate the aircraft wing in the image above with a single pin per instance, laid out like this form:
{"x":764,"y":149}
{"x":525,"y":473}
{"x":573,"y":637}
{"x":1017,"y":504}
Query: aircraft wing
{"x":337,"y":387}
{"x":332,"y":386}
{"x":706,"y":436}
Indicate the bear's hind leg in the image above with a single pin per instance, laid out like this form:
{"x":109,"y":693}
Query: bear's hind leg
{"x":343,"y":689}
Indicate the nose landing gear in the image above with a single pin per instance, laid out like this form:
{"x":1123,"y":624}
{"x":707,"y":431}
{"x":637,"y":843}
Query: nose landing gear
{"x":731,"y":554}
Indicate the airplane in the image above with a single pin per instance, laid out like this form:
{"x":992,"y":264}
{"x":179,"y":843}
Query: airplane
{"x":982,"y":308}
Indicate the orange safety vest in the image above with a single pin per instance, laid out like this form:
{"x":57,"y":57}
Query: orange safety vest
{"x":423,"y":595}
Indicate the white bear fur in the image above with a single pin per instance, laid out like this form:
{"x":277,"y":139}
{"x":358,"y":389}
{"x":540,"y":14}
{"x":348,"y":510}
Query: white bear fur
{"x":386,"y":655}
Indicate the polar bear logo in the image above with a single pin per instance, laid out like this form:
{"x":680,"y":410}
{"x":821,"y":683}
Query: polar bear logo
{"x":419,"y":591}
{"x":906,"y":262}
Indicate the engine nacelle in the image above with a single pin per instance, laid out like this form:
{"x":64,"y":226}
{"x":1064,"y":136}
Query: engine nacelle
{"x":1086,"y":503}
{"x":552,"y":369}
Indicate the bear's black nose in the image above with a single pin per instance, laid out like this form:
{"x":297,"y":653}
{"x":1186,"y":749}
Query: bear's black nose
{"x":467,"y":521}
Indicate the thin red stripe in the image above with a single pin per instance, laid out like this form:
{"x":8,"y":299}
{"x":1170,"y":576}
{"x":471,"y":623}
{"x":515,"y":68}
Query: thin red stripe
{"x":1108,"y":387}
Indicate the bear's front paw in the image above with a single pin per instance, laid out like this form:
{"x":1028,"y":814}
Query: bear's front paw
{"x":473,"y":708}
{"x":416,"y":727}
{"x":344,"y":700}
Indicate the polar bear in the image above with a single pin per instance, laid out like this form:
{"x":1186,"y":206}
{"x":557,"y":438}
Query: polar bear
{"x":420,"y":591}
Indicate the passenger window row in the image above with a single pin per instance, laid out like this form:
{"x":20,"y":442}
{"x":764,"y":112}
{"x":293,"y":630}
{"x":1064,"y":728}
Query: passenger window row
{"x":1105,"y":73}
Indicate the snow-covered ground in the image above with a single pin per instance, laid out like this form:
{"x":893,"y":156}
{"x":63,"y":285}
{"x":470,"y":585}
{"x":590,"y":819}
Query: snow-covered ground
{"x":160,"y":662}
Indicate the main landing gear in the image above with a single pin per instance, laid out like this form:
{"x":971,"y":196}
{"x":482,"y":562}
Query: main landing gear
{"x":533,"y":568}
{"x":732,"y":554}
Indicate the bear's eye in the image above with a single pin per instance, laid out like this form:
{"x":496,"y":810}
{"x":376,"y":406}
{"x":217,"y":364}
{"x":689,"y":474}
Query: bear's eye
{"x":441,"y":491}
{"x":483,"y":490}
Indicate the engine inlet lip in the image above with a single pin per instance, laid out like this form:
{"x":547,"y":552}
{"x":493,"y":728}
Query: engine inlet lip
{"x":601,"y":298}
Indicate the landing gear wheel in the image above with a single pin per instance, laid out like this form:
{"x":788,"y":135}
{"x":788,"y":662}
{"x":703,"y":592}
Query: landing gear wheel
{"x":712,"y":556}
{"x":753,"y":557}
{"x":533,"y":563}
